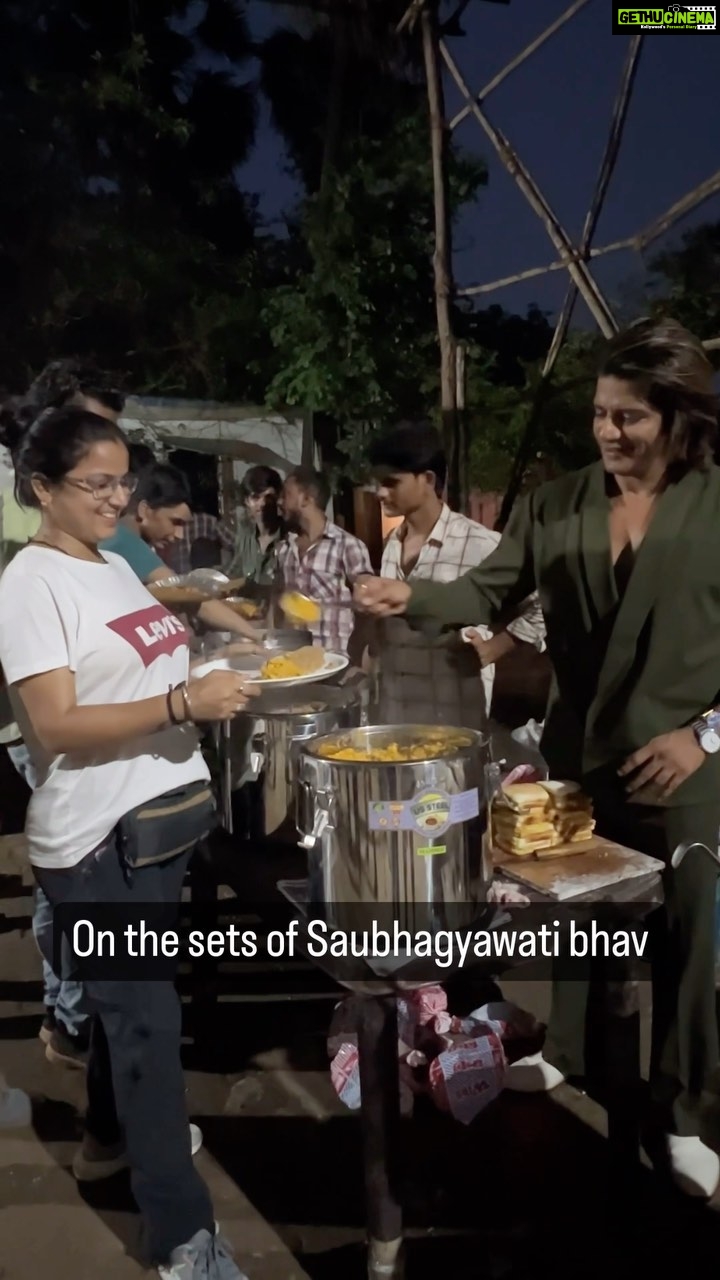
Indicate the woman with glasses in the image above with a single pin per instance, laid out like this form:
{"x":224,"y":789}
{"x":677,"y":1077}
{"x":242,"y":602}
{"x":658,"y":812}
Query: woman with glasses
{"x":98,"y":673}
{"x":65,"y":1028}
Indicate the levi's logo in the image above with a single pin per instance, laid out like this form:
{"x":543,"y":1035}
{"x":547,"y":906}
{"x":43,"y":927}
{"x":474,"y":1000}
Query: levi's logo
{"x":151,"y":632}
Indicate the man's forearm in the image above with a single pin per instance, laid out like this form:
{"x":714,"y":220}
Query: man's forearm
{"x":219,"y":616}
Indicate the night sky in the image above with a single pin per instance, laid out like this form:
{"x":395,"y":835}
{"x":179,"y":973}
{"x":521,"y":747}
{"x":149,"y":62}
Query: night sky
{"x":556,"y":111}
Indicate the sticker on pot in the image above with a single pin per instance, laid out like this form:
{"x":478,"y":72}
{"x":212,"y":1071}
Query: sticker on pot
{"x":430,"y":813}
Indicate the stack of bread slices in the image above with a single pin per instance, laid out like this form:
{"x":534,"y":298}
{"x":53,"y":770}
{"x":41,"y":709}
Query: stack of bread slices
{"x":541,"y":819}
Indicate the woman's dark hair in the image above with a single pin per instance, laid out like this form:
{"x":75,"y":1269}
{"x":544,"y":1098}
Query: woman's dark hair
{"x":410,"y":448}
{"x":672,"y":372}
{"x":64,"y":382}
{"x":257,"y":479}
{"x":51,"y":445}
{"x":161,"y":486}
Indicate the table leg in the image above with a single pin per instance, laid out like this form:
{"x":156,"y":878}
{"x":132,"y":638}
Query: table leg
{"x":380,"y":1119}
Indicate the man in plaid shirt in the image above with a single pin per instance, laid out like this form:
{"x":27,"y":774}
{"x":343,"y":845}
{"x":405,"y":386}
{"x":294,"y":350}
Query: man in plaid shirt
{"x":319,"y":558}
{"x":435,"y":679}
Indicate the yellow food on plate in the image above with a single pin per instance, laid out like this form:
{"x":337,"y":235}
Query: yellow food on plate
{"x":299,"y":607}
{"x":288,"y":666}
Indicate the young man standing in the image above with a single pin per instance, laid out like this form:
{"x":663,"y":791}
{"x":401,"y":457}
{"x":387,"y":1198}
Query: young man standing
{"x":419,"y":678}
{"x":319,"y":558}
{"x":255,"y":554}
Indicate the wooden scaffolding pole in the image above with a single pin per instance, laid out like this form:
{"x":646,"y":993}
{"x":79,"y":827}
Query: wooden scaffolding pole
{"x":442,"y":256}
{"x":639,"y":241}
{"x":607,"y":168}
{"x":526,"y":53}
{"x":579,"y":271}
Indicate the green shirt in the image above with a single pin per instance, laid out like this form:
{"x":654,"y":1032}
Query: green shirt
{"x":249,"y":561}
{"x":142,"y":559}
{"x":629,"y":664}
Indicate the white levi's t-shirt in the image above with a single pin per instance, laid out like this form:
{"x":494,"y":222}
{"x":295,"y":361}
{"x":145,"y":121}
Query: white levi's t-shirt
{"x":122,"y":646}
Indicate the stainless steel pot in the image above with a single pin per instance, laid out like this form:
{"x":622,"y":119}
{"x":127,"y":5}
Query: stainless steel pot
{"x":240,"y":757}
{"x":290,"y":719}
{"x":404,"y":836}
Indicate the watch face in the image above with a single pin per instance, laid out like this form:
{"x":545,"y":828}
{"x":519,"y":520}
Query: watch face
{"x":710,"y":741}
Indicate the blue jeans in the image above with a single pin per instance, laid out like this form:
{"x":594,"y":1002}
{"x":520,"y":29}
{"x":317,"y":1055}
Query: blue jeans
{"x":65,"y":999}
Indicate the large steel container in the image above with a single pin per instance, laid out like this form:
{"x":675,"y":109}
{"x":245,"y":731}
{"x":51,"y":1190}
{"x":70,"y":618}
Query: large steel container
{"x":290,"y":719}
{"x":406,"y":836}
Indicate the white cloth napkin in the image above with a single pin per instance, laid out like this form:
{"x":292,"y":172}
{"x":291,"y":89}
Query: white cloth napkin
{"x":487,"y":673}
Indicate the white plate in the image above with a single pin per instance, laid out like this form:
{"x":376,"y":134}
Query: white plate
{"x":334,"y":662}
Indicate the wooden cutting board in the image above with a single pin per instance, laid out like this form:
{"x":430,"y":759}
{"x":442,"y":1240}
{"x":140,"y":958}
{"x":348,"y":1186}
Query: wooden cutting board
{"x":601,"y":865}
{"x":500,"y":857}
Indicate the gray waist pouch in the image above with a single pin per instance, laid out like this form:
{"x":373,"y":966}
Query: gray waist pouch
{"x":167,"y":826}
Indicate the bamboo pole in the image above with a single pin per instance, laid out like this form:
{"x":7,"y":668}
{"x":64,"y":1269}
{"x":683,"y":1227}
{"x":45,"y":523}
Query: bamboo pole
{"x":607,"y":168}
{"x":579,"y":271}
{"x":442,"y":256}
{"x":526,"y":53}
{"x":463,"y":442}
{"x":472,"y":290}
{"x":678,"y":210}
{"x":639,"y":242}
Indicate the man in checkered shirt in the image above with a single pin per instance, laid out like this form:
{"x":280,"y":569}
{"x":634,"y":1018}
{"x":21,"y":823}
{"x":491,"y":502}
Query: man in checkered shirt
{"x":446,"y":678}
{"x":319,"y":558}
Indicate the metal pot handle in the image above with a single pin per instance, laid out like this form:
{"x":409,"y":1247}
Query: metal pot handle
{"x":303,"y":805}
{"x":321,"y":816}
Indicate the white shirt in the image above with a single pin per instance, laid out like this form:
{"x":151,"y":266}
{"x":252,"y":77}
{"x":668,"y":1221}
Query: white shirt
{"x":122,"y":646}
{"x":455,"y":545}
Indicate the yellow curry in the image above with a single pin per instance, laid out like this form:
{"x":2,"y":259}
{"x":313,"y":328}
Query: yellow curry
{"x":300,"y":662}
{"x":299,"y":608}
{"x":394,"y":753}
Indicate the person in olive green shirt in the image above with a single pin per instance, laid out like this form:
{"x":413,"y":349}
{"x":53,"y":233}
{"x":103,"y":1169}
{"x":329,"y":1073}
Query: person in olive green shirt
{"x":625,"y":555}
{"x":254,"y":557}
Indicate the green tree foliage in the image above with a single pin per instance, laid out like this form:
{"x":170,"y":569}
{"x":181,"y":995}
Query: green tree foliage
{"x":353,"y":330}
{"x":685,"y":282}
{"x":120,"y":220}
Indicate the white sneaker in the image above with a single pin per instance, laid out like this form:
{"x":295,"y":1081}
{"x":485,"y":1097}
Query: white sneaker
{"x":695,"y":1168}
{"x":15,"y":1109}
{"x":532,"y":1075}
{"x":205,"y":1257}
